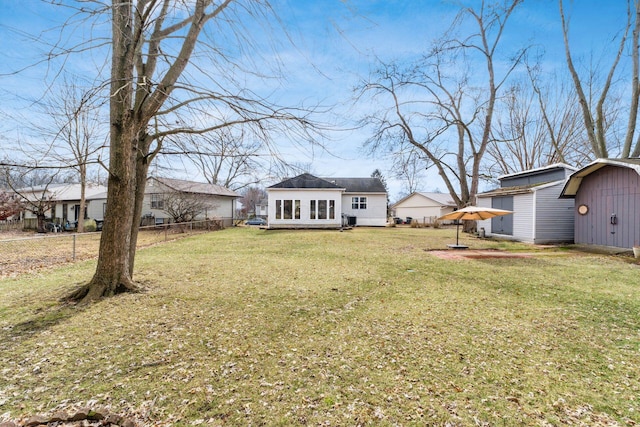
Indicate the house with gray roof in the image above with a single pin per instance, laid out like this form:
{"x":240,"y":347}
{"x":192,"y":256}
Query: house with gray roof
{"x":307,"y":201}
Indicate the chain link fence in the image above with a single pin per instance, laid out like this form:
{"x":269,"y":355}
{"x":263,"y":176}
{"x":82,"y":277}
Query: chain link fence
{"x":27,"y":254}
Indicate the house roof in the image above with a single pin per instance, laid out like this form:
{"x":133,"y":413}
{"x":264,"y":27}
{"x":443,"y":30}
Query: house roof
{"x":193,"y":187}
{"x":349,"y":185}
{"x":305,"y":180}
{"x":61,"y":192}
{"x":573,"y":183}
{"x":359,"y":185}
{"x":444,"y":199}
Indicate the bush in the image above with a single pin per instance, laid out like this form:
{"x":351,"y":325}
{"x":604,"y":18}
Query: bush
{"x":90,"y":225}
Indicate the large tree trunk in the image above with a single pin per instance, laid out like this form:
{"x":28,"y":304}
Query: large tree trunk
{"x":112,"y":274}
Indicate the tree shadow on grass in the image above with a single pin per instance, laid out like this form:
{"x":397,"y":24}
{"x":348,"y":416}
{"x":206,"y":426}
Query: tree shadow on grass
{"x":39,"y":320}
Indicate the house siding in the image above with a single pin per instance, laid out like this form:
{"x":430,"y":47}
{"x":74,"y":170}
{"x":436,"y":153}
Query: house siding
{"x":608,"y":191}
{"x":421,"y":208}
{"x":305,"y":197}
{"x":373,"y":216}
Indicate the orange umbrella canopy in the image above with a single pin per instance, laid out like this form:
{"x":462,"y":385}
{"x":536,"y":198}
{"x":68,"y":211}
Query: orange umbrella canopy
{"x":472,"y":213}
{"x":475,"y":213}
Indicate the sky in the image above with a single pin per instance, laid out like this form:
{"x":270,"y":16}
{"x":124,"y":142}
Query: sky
{"x":335,"y":45}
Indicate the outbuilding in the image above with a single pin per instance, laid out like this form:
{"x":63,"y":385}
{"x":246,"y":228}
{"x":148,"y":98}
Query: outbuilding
{"x":607,"y":202}
{"x":539,"y":215}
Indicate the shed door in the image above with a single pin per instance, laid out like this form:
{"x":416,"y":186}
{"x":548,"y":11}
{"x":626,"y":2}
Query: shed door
{"x":502,"y":224}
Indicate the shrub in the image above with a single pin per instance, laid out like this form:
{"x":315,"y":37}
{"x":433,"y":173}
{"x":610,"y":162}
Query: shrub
{"x":90,"y":225}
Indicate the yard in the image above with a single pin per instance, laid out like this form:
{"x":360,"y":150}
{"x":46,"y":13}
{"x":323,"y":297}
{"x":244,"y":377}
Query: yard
{"x":363,"y":327}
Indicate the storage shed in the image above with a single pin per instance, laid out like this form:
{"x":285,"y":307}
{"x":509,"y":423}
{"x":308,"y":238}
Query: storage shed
{"x":607,"y":202}
{"x":540,"y":216}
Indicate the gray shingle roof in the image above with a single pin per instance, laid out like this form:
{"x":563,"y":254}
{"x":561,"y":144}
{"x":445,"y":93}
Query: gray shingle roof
{"x":351,"y":185}
{"x":196,"y":187}
{"x":305,"y":180}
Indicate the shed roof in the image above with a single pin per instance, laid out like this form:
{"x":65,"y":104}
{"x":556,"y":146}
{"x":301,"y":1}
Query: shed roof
{"x":572,"y":185}
{"x":539,"y":170}
{"x":518,"y":189}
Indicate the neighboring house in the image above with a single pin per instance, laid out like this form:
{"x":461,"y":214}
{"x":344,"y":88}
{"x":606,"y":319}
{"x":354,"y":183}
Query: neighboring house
{"x":539,"y":215}
{"x":165,"y":197}
{"x":607,"y":202}
{"x":262,"y":208}
{"x":307,"y":201}
{"x":424,"y":207}
{"x":64,"y":199}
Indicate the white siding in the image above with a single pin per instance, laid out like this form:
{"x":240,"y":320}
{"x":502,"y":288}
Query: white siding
{"x":374,"y":215}
{"x":305,"y":196}
{"x":421,"y":208}
{"x":95,"y":208}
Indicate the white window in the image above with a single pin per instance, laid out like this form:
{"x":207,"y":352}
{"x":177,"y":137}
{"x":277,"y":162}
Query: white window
{"x":157,"y":201}
{"x":358,"y":203}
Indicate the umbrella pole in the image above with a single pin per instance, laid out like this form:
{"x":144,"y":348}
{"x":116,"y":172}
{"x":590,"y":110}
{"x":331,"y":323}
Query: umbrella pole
{"x":457,"y":231}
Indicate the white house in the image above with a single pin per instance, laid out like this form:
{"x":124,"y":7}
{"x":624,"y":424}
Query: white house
{"x":64,"y":200}
{"x":307,"y":201}
{"x":424,"y":207}
{"x":539,"y":215}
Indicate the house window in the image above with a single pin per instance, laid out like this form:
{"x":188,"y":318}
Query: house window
{"x":287,"y":209}
{"x":157,"y":201}
{"x":322,"y":209}
{"x":358,"y":203}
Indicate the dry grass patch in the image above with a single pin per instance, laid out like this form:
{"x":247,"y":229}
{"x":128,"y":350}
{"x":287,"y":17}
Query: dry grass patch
{"x":247,"y":326}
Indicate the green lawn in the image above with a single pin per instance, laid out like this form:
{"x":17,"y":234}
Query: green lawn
{"x":362,"y":327}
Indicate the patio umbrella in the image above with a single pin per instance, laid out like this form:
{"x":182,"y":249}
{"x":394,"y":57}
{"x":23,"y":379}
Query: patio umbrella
{"x":474,"y":213}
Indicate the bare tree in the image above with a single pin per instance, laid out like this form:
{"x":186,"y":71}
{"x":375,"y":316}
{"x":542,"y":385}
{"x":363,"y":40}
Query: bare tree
{"x":251,"y":196}
{"x":226,"y":157}
{"x":153,"y":80}
{"x":38,"y":199}
{"x":75,"y":132}
{"x":536,"y":126}
{"x":10,"y":205}
{"x":410,"y":165}
{"x":184,"y":207}
{"x":439,"y":100}
{"x":598,"y":103}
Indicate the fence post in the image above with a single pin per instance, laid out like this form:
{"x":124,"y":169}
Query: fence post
{"x":74,"y":247}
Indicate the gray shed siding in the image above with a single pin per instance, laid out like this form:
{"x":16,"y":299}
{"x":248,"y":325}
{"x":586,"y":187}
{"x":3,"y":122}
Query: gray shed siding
{"x":539,"y":216}
{"x":554,"y":217}
{"x":608,"y":191}
{"x":523,"y":180}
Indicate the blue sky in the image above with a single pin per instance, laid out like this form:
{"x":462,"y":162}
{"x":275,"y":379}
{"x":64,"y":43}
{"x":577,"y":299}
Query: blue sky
{"x":336,"y":43}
